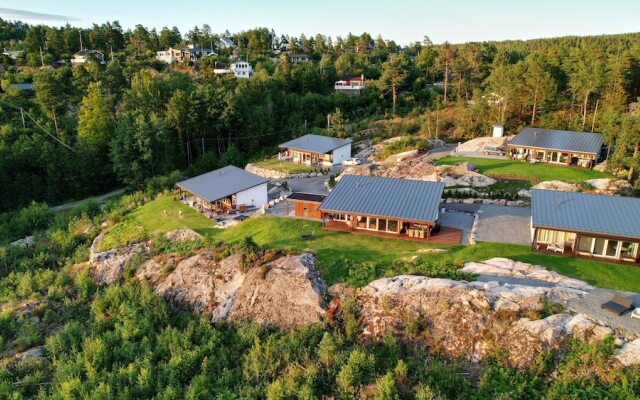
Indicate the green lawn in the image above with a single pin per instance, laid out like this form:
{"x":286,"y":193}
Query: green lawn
{"x":150,"y":219}
{"x":543,"y":172}
{"x":329,"y":246}
{"x":284,"y":166}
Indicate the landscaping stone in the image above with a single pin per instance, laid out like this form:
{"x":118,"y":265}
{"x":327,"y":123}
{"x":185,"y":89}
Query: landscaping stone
{"x":266,"y":173}
{"x":629,"y":354}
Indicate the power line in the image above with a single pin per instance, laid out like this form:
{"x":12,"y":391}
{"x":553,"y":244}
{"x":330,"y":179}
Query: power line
{"x":23,"y":112}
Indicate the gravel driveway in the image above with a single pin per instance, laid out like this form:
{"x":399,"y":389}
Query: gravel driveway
{"x":588,"y":304}
{"x":504,"y":224}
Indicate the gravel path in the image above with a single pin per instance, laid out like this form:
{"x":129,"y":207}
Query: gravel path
{"x":588,"y":305}
{"x":101,"y":198}
{"x":504,"y":224}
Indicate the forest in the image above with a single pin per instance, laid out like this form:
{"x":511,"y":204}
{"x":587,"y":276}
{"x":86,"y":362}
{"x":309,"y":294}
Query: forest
{"x":90,"y":128}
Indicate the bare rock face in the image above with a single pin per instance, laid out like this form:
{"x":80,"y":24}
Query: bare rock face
{"x":108,"y":266}
{"x":505,"y":267}
{"x":284,"y":292}
{"x":557,"y":185}
{"x":182,"y":235}
{"x":423,"y":169}
{"x":477,"y":145}
{"x":609,"y":186}
{"x":471,"y":319}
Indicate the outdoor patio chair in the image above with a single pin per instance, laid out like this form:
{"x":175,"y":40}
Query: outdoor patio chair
{"x":551,"y":246}
{"x":635,"y":313}
{"x":618,"y":305}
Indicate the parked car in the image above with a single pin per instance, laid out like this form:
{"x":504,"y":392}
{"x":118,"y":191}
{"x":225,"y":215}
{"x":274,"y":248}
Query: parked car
{"x":496,"y":151}
{"x":352,"y":161}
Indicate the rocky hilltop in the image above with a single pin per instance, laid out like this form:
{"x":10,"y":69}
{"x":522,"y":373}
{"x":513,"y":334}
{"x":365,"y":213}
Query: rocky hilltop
{"x":458,"y":319}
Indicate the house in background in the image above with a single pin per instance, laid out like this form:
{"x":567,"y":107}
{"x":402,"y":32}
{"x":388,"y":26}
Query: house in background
{"x":305,"y":205}
{"x":13,"y":54}
{"x":225,"y":189}
{"x":573,"y":148}
{"x":388,"y":207}
{"x":192,"y":53}
{"x":299,"y":58}
{"x":87,"y":56}
{"x":225,"y":43}
{"x":351,"y":86}
{"x":239,"y":69}
{"x":170,"y":55}
{"x":589,"y":225}
{"x":316,"y":150}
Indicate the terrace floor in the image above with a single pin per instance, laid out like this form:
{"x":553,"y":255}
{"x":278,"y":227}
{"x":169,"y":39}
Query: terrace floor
{"x":446,"y":235}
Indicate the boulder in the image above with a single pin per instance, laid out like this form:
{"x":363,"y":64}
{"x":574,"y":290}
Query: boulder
{"x":609,"y":186}
{"x":557,"y":185}
{"x":34,"y":352}
{"x":24,"y":242}
{"x":629,"y":354}
{"x":182,"y":235}
{"x":477,"y":145}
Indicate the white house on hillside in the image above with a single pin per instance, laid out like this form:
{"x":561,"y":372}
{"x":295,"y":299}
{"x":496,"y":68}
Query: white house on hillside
{"x":169,"y":56}
{"x":299,"y":58}
{"x":86,"y":56}
{"x":242,"y":69}
{"x":225,"y":43}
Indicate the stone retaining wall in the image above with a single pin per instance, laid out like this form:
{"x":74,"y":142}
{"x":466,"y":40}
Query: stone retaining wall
{"x":273,"y":174}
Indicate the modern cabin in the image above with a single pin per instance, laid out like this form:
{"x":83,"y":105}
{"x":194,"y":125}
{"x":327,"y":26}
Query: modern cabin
{"x":581,"y":149}
{"x":586,"y":225}
{"x":380,"y":206}
{"x":225,"y":189}
{"x":316,"y":150}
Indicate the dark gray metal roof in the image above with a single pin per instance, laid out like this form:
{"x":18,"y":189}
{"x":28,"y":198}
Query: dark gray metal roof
{"x":221,"y":183}
{"x":582,"y":212}
{"x":312,"y":197}
{"x":315,"y":143}
{"x":553,"y":139}
{"x":385,"y":197}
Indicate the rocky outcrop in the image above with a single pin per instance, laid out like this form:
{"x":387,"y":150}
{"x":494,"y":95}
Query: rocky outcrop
{"x":182,"y":235}
{"x":505,"y":267}
{"x":284,"y":292}
{"x":477,"y":145}
{"x":108,"y":266}
{"x":471,"y":319}
{"x":423,"y":169}
{"x":629,"y":353}
{"x":557,"y":185}
{"x":34,"y":352}
{"x":609,"y":186}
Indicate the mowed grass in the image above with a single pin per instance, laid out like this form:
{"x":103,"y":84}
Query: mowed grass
{"x":543,"y":172}
{"x":150,"y":219}
{"x":284,"y":166}
{"x":330,"y":246}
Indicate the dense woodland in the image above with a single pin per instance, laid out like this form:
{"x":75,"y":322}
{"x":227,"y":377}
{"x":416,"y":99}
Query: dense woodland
{"x":94,"y":127}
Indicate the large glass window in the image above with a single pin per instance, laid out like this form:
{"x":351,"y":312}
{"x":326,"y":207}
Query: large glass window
{"x":584,"y":243}
{"x":629,"y":250}
{"x":598,"y":247}
{"x":361,"y":222}
{"x":392,"y":226}
{"x":612,"y":248}
{"x":382,"y":224}
{"x":564,"y":158}
{"x":373,"y":223}
{"x":559,"y":237}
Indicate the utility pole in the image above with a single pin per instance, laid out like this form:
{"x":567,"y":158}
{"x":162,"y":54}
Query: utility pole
{"x":41,"y":57}
{"x":22,"y":115}
{"x":80,"y":33}
{"x":328,"y":121}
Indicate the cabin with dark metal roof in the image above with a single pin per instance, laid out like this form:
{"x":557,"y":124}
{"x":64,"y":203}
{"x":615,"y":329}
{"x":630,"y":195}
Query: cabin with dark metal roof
{"x":581,"y":149}
{"x":227,"y":188}
{"x":380,"y":206}
{"x":585,"y":224}
{"x":316,"y":150}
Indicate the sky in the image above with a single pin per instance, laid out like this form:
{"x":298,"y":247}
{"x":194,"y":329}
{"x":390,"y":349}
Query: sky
{"x":404,"y":21}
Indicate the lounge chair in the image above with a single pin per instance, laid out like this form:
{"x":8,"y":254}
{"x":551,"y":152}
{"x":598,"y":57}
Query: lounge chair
{"x":635,"y":313}
{"x":618,"y":305}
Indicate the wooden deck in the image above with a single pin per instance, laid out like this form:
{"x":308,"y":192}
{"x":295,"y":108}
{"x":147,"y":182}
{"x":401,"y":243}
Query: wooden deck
{"x":448,"y":236}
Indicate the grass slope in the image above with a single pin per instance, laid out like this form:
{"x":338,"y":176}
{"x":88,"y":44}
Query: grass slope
{"x":544,"y":172}
{"x":329,"y":246}
{"x":150,"y":219}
